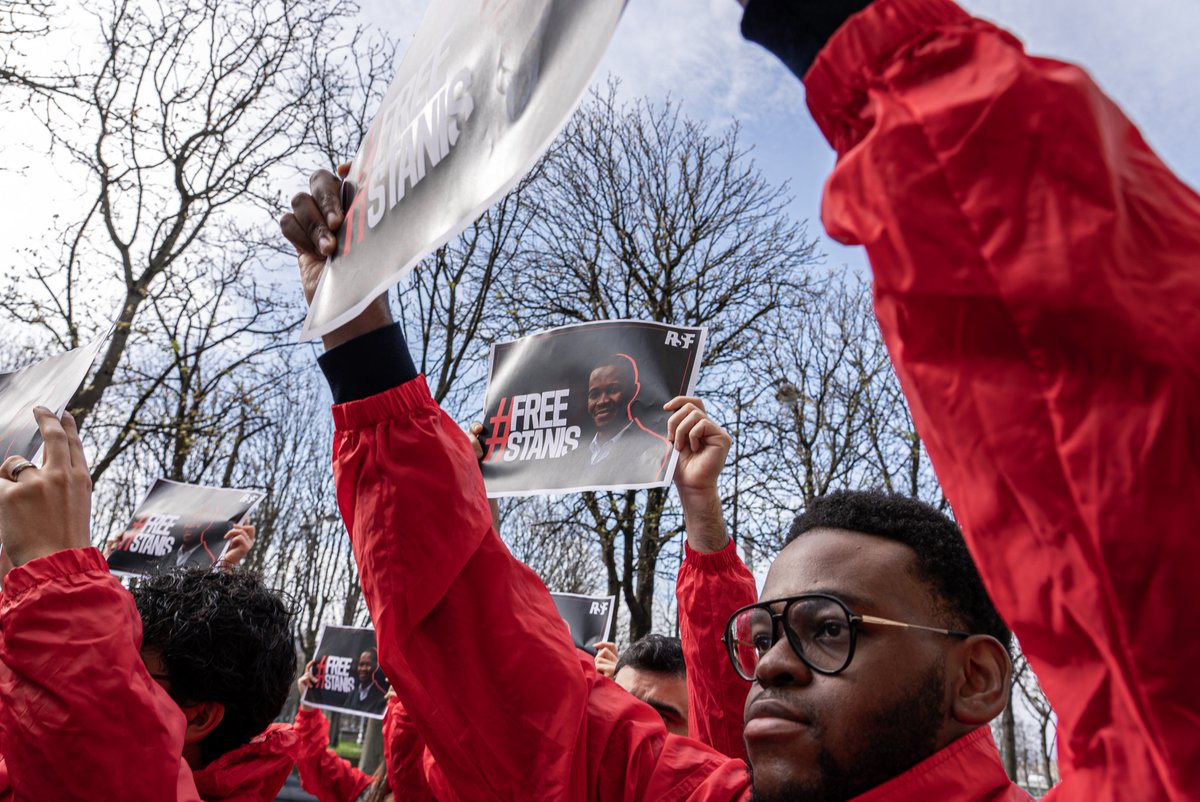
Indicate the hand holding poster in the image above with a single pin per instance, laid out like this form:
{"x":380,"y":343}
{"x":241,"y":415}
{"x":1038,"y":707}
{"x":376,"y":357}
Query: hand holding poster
{"x":581,"y":407}
{"x":50,"y":383}
{"x":180,"y":526}
{"x":481,"y":93}
{"x":348,"y":678}
{"x":588,"y":618}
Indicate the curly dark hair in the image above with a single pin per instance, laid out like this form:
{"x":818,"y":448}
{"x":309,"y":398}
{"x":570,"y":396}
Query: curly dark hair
{"x":654,"y":652}
{"x":224,"y":637}
{"x":943,"y":562}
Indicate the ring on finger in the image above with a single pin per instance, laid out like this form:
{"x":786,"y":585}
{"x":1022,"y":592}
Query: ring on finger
{"x":16,"y":469}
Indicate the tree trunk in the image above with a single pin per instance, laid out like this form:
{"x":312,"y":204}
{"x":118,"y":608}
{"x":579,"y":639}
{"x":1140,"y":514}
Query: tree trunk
{"x":1008,"y":738}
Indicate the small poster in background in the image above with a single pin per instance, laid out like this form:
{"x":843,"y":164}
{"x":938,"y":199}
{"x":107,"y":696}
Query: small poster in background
{"x":589,"y":618}
{"x":180,"y":526}
{"x":482,"y":91}
{"x":50,"y":383}
{"x":349,"y":679}
{"x":581,"y":407}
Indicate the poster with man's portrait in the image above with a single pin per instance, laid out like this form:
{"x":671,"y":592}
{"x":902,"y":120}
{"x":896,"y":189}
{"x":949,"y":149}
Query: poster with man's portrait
{"x":581,"y":407}
{"x":589,"y":618}
{"x":348,"y":676}
{"x":180,"y":526}
{"x":49,"y":383}
{"x":482,"y":91}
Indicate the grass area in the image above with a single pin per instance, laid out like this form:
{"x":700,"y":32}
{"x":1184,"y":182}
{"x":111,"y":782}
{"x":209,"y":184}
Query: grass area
{"x":350,"y":750}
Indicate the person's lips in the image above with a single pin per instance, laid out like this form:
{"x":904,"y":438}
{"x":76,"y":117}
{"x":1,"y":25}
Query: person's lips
{"x":771,"y":718}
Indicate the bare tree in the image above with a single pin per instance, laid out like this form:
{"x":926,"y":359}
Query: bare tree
{"x":189,"y":109}
{"x":1026,"y":682}
{"x":449,"y":302}
{"x":828,"y":414}
{"x":21,"y":22}
{"x":643,"y":213}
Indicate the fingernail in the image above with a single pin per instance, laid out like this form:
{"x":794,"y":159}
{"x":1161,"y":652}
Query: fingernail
{"x":327,"y":242}
{"x":39,"y":408}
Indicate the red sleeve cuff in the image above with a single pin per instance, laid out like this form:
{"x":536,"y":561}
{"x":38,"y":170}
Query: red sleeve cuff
{"x":856,"y":54}
{"x":390,"y":405}
{"x":59,"y":565}
{"x":714,"y":561}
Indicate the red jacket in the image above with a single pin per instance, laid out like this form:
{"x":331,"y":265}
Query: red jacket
{"x":323,"y":773}
{"x":80,"y":717}
{"x":710,"y":588}
{"x":1031,"y":258}
{"x":331,"y":778}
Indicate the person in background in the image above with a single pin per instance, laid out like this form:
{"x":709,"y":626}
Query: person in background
{"x":240,"y":539}
{"x":652,"y":669}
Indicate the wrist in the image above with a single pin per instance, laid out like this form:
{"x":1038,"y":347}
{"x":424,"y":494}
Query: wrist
{"x":377,"y":315}
{"x":704,"y":520}
{"x":695,"y":495}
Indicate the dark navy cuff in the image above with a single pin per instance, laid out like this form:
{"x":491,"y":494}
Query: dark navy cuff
{"x":368,"y":365}
{"x":796,"y":30}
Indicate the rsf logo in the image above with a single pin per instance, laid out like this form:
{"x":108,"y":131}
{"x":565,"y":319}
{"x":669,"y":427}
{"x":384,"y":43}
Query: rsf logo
{"x":680,"y":339}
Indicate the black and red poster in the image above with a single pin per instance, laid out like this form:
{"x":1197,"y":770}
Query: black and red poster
{"x":482,"y":91}
{"x":180,"y":526}
{"x":589,"y":618}
{"x":581,"y":407}
{"x":349,"y":679}
{"x":49,"y":383}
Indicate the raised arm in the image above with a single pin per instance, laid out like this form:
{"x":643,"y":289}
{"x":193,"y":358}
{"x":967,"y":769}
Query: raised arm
{"x":444,"y":591}
{"x":713,"y":582}
{"x":73,"y":688}
{"x":1035,"y":281}
{"x":323,"y":773}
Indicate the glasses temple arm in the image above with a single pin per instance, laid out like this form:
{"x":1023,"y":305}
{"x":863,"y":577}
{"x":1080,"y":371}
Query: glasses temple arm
{"x":887,"y":622}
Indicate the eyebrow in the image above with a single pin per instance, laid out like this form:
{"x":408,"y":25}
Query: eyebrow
{"x":852,"y":600}
{"x":663,"y":708}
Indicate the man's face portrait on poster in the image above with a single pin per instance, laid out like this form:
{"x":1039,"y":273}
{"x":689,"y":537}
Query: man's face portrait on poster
{"x":366,"y":668}
{"x":611,"y":389}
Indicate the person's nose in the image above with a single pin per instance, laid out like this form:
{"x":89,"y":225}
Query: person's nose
{"x":780,"y":665}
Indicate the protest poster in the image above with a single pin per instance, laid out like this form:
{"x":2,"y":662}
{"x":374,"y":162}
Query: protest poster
{"x":348,"y":676}
{"x":589,"y":618}
{"x":50,"y":383}
{"x":581,"y":407}
{"x":180,"y":526}
{"x":480,"y":94}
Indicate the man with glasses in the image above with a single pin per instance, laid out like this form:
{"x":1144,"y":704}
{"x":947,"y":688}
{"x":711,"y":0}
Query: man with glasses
{"x":856,"y":660}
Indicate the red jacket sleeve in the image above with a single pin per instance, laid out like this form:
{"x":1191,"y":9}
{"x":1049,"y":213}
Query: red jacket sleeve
{"x":323,"y":773}
{"x":471,"y":638}
{"x":404,"y":752}
{"x":73,"y":688}
{"x":1036,"y":283}
{"x":709,"y":589}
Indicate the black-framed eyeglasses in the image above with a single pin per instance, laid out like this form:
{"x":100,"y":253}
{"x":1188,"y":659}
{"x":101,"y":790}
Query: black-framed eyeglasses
{"x":821,"y":630}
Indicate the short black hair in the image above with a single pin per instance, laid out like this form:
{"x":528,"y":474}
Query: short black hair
{"x":621,"y":362}
{"x":943,"y":561}
{"x":653,"y":652}
{"x":224,"y":637}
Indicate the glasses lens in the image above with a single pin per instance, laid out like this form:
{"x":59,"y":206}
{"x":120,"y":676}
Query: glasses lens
{"x":750,"y":636}
{"x":821,"y":628}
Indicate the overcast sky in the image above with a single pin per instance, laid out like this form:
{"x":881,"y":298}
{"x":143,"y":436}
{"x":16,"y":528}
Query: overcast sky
{"x":1144,"y":53}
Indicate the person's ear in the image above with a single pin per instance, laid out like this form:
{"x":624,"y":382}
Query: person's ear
{"x":202,"y":718}
{"x":981,"y":687}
